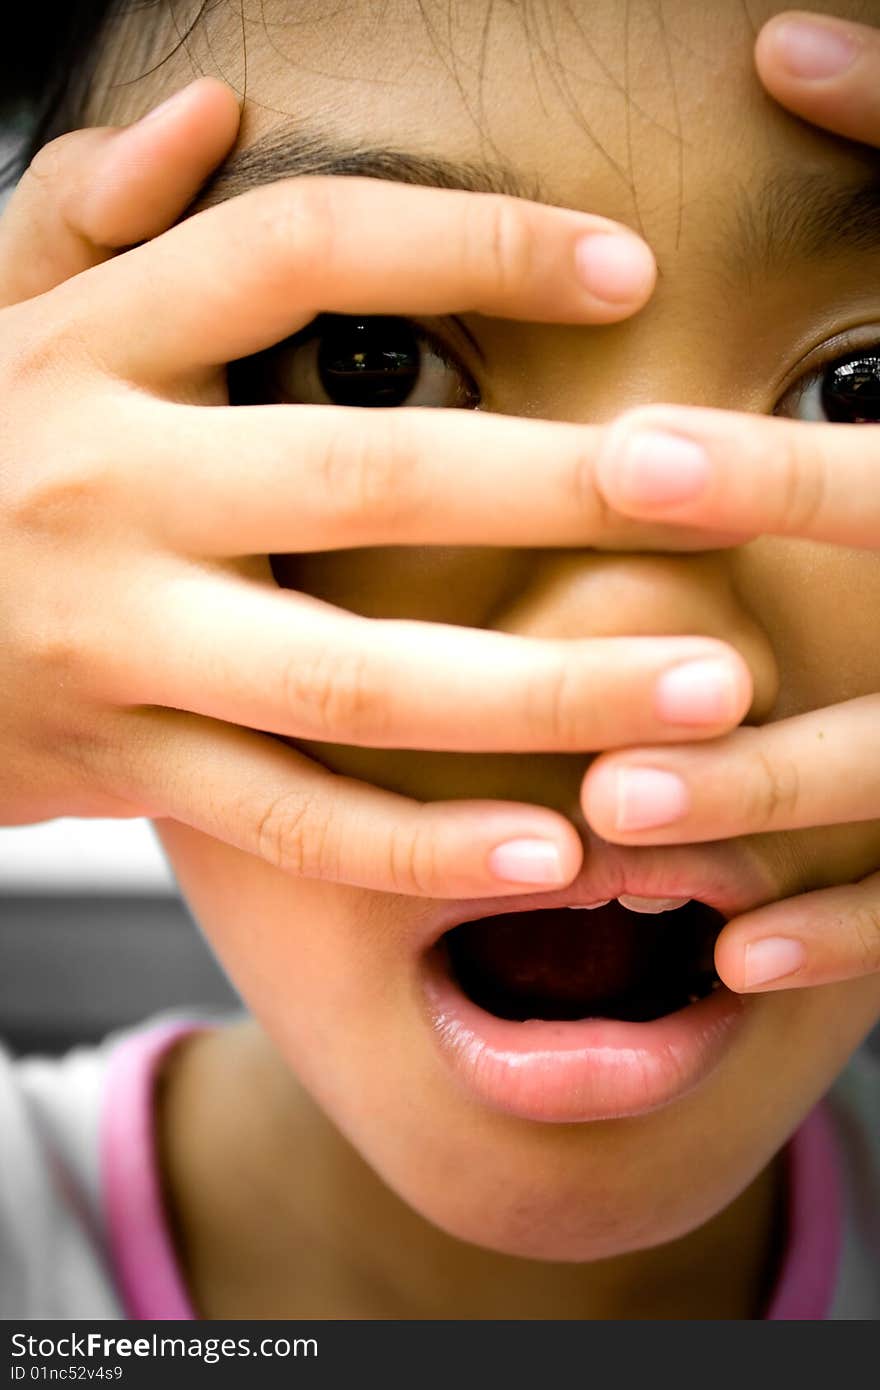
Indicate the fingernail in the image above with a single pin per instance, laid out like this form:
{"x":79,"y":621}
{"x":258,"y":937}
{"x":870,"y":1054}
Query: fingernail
{"x":647,"y":797}
{"x":697,"y":692}
{"x":655,"y":468}
{"x":613,"y":267}
{"x":167,"y":106}
{"x":527,"y":861}
{"x":772,"y":958}
{"x":812,"y":51}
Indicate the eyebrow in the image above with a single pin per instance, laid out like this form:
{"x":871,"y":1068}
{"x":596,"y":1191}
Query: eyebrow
{"x":804,"y":215}
{"x":792,"y":216}
{"x":302,"y":152}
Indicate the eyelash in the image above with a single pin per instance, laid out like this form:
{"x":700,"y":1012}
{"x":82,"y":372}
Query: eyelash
{"x":813,"y":366}
{"x":448,"y":356}
{"x":249,"y":378}
{"x":800,"y":378}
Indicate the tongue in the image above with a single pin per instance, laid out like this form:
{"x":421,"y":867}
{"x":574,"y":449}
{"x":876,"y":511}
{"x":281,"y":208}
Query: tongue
{"x":560,"y":963}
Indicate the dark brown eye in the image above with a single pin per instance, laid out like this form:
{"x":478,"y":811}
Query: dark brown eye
{"x":846,"y":391}
{"x":368,"y":362}
{"x":344,"y":360}
{"x":851,"y":389}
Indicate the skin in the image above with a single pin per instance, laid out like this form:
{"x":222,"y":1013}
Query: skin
{"x":440,"y":1208}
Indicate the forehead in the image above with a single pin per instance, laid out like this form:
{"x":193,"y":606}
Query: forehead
{"x":648,"y":111}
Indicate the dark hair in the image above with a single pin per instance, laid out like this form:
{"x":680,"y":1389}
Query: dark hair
{"x":45,"y":73}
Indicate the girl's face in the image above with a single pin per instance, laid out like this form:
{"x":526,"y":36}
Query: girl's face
{"x":657,"y":120}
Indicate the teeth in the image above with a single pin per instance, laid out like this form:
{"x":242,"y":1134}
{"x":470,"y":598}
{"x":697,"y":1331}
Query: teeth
{"x":652,"y":904}
{"x":635,"y":904}
{"x":695,"y":998}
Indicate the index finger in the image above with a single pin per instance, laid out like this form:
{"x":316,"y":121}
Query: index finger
{"x":240,"y":277}
{"x":743,"y":473}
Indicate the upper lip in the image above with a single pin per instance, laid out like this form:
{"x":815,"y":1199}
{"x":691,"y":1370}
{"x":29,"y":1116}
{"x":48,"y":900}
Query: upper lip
{"x":724,"y":876}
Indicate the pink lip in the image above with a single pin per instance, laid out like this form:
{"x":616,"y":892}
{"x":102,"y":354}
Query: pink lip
{"x":594,"y":1068}
{"x":724,"y":876}
{"x":571,"y":1072}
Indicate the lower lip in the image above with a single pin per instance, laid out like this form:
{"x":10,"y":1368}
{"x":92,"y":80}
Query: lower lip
{"x":588,"y":1069}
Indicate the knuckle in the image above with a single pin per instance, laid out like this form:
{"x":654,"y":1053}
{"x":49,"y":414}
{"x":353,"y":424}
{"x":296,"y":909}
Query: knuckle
{"x":412,"y":859}
{"x":291,"y":228}
{"x":68,"y":498}
{"x":774,"y":793}
{"x":49,"y":639}
{"x":555,"y":715}
{"x":865,"y":924}
{"x":802,"y":481}
{"x":366,"y":472}
{"x":50,"y":163}
{"x":308,"y":235}
{"x":292,"y":832}
{"x":587,"y":498}
{"x":45,"y":345}
{"x":32,"y":350}
{"x":336,"y":695}
{"x":504,"y":235}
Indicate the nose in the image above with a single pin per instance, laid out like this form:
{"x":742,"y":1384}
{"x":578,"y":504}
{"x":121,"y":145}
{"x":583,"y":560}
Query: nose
{"x":609,"y":594}
{"x":578,"y":594}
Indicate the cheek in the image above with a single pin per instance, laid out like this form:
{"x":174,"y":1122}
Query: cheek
{"x":808,"y":1036}
{"x":297,"y":950}
{"x":818,"y":605}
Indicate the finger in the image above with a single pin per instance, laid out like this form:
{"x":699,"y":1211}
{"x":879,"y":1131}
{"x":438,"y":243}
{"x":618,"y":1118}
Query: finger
{"x":316,"y":672}
{"x":268,"y":800}
{"x":813,"y":939}
{"x":90,"y":192}
{"x":751,"y":474}
{"x":271,"y":479}
{"x":815,"y":769}
{"x":241,"y":276}
{"x":824,"y":69}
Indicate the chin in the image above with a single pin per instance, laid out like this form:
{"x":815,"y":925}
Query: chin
{"x":577,"y":1227}
{"x":572,"y":1194}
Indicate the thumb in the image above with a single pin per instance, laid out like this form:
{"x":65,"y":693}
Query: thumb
{"x":91,"y":192}
{"x":825,"y":70}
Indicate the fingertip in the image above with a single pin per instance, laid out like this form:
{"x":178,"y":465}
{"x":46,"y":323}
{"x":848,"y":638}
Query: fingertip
{"x":546,"y":854}
{"x":155,"y":167}
{"x":594,"y":784}
{"x":764,"y":48}
{"x":200,"y":94}
{"x":220,"y":103}
{"x":618,"y":270}
{"x":530,"y":862}
{"x":797,"y":47}
{"x":225,"y":92}
{"x":728,"y":960}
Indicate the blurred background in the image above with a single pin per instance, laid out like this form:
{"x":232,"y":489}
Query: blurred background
{"x":94,"y":934}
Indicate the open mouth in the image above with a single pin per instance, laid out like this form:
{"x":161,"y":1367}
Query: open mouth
{"x":602,"y":962}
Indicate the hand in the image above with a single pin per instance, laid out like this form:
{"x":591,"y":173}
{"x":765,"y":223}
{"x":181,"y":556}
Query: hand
{"x":768,"y":475}
{"x":143,"y":639}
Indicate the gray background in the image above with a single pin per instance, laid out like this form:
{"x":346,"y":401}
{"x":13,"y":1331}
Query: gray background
{"x":75,"y":967}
